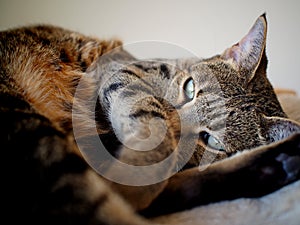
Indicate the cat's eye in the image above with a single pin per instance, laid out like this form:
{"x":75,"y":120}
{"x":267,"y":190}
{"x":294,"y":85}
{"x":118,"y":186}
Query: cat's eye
{"x":189,"y":88}
{"x":211,"y":142}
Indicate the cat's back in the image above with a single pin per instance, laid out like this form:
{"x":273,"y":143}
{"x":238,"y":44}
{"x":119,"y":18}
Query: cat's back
{"x":40,"y":68}
{"x":35,"y":44}
{"x":43,"y":64}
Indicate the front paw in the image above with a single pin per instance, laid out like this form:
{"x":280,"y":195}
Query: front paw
{"x":251,"y":174}
{"x":291,"y":166}
{"x":278,"y":164}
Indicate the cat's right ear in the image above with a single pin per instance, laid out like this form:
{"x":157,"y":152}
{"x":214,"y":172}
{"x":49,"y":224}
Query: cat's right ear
{"x":248,"y":52}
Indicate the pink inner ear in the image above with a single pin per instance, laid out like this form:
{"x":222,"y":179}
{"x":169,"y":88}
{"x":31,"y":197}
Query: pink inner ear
{"x":232,"y":53}
{"x":247,"y":52}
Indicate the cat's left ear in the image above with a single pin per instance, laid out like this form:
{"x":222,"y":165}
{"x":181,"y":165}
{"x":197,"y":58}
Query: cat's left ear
{"x":246,"y":55}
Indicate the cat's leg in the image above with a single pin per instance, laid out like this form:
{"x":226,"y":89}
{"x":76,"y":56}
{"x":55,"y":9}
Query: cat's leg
{"x":144,"y":129}
{"x":45,"y":181}
{"x":248,"y":174}
{"x":147,"y":155}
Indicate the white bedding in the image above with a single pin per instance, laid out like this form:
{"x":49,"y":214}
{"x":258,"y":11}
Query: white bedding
{"x":278,"y":208}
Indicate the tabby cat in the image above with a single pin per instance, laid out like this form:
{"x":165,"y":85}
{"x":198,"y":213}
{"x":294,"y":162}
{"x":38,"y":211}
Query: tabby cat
{"x":72,"y":106}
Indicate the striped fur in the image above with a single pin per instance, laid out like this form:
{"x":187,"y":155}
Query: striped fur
{"x":48,"y":181}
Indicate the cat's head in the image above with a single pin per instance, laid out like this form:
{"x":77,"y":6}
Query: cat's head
{"x":225,"y":103}
{"x":235,"y":103}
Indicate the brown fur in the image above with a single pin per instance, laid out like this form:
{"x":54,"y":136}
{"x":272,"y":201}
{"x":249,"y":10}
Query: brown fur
{"x":40,"y":69}
{"x":50,"y":63}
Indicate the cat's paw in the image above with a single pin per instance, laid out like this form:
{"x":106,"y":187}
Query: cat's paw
{"x":275,"y":166}
{"x":291,"y":165}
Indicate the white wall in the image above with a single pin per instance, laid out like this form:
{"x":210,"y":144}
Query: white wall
{"x":205,"y":27}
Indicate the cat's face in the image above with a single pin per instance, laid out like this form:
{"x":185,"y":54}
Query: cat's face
{"x":225,"y":103}
{"x":227,"y":112}
{"x":217,"y":106}
{"x":234,"y":103}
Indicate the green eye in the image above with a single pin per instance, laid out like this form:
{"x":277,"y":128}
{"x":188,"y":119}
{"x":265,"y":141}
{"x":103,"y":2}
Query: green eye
{"x":211,"y":141}
{"x":189,"y":88}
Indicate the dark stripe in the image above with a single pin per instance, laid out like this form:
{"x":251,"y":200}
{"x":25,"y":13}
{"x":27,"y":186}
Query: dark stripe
{"x":136,"y":75}
{"x":138,"y":87}
{"x":146,"y":69}
{"x":113,"y":87}
{"x":143,"y":112}
{"x":64,"y":56}
{"x":199,"y":93}
{"x":139,"y":66}
{"x":83,"y":66}
{"x":129,"y":72}
{"x":164,"y":71}
{"x":62,"y":206}
{"x":129,"y":93}
{"x":156,"y":105}
{"x":71,"y":164}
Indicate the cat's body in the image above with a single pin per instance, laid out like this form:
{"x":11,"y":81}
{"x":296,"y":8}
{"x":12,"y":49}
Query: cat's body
{"x":185,"y":113}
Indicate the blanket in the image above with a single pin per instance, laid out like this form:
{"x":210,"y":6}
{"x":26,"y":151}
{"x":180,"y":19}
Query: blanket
{"x":277,"y":208}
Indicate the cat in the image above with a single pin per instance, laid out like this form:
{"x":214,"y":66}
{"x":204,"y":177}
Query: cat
{"x":61,"y":92}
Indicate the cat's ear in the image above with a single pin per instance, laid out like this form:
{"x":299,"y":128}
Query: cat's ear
{"x":248,"y":52}
{"x":278,"y":128}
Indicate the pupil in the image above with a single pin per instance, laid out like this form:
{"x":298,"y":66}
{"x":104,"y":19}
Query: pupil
{"x":204,"y":136}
